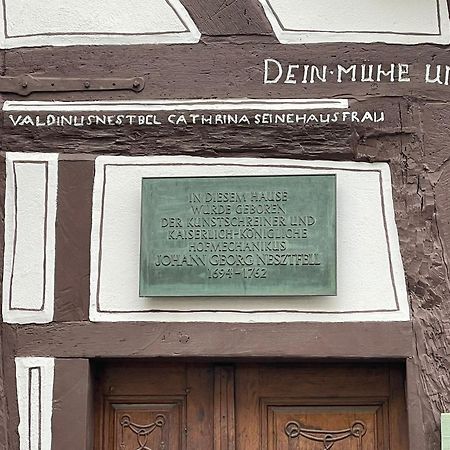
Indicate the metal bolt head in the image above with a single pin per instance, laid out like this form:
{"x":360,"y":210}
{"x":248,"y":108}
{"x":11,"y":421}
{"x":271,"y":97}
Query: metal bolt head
{"x":24,"y":84}
{"x":87,"y":84}
{"x":136,"y":83}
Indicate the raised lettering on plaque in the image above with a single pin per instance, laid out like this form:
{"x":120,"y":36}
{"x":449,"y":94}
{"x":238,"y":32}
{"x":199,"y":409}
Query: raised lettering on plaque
{"x":238,"y":236}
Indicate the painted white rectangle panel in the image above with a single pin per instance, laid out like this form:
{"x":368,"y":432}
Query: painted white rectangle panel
{"x":69,"y":22}
{"x":35,"y":407}
{"x":31,"y":17}
{"x":35,"y":378}
{"x":399,"y":21}
{"x":30,"y":217}
{"x":359,"y":15}
{"x":29,"y":259}
{"x":371,"y":284}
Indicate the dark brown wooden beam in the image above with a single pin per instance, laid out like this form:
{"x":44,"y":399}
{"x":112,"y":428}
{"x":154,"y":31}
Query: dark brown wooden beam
{"x":9,"y":414}
{"x":235,"y":68}
{"x":332,"y":141}
{"x":73,"y":228}
{"x":414,"y":392}
{"x":217,"y":340}
{"x":228,"y":17}
{"x":72,"y":420}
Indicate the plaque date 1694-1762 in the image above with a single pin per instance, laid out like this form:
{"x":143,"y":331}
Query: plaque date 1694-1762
{"x":238,"y":236}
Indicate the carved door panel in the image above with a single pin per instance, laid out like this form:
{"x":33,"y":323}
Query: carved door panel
{"x":320,"y":408}
{"x":324,"y":427}
{"x":162,"y":406}
{"x":154,"y":407}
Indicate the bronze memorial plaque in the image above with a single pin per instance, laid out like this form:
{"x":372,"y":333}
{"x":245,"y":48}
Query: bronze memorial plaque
{"x":238,"y":236}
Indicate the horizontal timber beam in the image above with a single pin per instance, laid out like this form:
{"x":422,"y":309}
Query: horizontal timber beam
{"x":216,"y":340}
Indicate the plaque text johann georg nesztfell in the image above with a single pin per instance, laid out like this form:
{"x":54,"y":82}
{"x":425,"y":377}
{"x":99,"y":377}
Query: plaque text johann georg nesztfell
{"x":238,"y":236}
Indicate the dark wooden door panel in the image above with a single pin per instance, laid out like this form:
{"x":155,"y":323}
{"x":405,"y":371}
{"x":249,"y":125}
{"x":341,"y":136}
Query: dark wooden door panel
{"x":320,"y":407}
{"x":323,"y":427}
{"x":142,"y":406}
{"x":154,"y":425}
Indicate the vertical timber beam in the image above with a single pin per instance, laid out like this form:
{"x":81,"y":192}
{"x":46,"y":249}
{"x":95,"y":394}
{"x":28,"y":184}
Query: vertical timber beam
{"x":415,"y":417}
{"x":73,"y":228}
{"x":72,"y":404}
{"x":9,"y":438}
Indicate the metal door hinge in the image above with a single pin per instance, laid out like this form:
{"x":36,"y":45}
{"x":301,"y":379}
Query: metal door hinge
{"x":26,"y":84}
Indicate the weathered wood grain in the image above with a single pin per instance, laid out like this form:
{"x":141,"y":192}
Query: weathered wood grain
{"x":228,"y":17}
{"x":8,"y":406}
{"x":332,"y":141}
{"x":284,"y":340}
{"x":73,"y":417}
{"x":230,"y":68}
{"x":73,"y":225}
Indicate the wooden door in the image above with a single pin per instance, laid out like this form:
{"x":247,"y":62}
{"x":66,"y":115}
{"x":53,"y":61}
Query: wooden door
{"x":157,"y":406}
{"x":187,"y":406}
{"x":319,"y":407}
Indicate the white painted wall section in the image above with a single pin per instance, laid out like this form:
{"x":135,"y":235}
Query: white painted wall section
{"x":29,"y":258}
{"x":33,"y":23}
{"x":371,"y":283}
{"x":399,"y":21}
{"x":35,"y":378}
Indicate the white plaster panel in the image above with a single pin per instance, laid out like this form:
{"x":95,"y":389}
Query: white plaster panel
{"x":399,"y":21}
{"x":29,"y":258}
{"x":34,"y":407}
{"x":69,"y":22}
{"x":371,"y":284}
{"x":35,"y":378}
{"x":30,"y":214}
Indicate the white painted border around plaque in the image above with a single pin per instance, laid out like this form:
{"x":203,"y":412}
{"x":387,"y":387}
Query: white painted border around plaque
{"x":34,"y":379}
{"x":371,"y":283}
{"x":29,"y":256}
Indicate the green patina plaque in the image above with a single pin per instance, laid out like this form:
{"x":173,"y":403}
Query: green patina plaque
{"x":238,"y":236}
